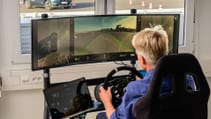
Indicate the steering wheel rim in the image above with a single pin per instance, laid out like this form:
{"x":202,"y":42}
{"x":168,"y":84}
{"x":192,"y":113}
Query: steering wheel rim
{"x":112,"y":72}
{"x":117,"y":91}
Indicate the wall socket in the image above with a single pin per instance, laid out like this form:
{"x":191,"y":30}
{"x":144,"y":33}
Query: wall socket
{"x":33,"y":79}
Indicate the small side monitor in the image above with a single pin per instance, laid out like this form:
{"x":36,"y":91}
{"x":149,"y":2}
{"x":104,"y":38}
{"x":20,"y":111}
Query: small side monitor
{"x":68,"y":98}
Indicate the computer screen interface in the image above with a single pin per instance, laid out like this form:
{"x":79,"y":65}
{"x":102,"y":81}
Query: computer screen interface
{"x":67,"y":41}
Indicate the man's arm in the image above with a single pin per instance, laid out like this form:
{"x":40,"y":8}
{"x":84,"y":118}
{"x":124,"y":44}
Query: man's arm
{"x":106,"y":98}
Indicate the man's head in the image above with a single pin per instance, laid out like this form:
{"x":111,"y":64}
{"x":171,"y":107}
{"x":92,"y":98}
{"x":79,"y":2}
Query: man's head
{"x":150,"y":44}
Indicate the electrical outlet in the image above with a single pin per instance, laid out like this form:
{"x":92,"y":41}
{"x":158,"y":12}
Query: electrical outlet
{"x":24,"y":80}
{"x":32,"y":79}
{"x":36,"y":79}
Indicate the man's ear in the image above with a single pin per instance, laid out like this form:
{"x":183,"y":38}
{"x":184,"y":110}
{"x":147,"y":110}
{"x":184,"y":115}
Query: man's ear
{"x":142,"y":61}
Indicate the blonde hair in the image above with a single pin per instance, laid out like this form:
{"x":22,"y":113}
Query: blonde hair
{"x":151,"y":43}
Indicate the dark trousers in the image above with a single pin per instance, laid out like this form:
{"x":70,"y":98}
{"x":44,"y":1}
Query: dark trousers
{"x":101,"y":115}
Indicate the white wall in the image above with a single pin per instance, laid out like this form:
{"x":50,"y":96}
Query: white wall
{"x":1,"y":30}
{"x":28,"y":104}
{"x":202,"y":33}
{"x":14,"y":104}
{"x":203,"y":21}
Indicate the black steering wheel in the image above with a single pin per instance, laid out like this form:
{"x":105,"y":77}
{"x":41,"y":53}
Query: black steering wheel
{"x":118,"y":84}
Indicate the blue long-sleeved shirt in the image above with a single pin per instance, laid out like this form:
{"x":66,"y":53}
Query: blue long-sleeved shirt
{"x":134,"y":91}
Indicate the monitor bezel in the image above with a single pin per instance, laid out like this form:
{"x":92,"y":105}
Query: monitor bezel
{"x":126,"y":58}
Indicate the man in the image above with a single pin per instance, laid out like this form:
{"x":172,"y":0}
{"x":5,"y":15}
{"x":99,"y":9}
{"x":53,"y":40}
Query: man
{"x":150,"y":44}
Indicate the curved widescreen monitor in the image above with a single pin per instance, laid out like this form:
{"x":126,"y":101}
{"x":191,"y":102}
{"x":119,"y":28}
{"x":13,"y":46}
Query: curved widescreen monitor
{"x":89,"y":39}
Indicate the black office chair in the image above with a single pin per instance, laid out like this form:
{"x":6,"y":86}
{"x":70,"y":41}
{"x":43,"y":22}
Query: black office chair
{"x":179,"y":103}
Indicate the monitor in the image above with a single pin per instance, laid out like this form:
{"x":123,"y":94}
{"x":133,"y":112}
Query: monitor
{"x":68,"y":98}
{"x":169,"y":22}
{"x":89,"y":39}
{"x":103,"y":38}
{"x":51,"y":42}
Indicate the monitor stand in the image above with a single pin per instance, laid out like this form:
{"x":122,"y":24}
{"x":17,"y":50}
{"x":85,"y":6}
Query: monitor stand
{"x":46,"y":75}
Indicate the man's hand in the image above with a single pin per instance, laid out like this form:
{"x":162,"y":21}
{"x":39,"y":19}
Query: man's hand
{"x":105,"y":95}
{"x":106,"y":98}
{"x":138,"y":78}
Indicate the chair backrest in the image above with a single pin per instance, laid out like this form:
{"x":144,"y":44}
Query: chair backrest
{"x":179,"y":103}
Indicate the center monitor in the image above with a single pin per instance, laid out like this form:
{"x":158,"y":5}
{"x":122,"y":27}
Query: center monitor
{"x":103,"y":38}
{"x":89,"y":39}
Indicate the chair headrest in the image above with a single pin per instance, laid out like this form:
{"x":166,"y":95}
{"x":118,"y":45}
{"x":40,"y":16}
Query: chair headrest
{"x":191,"y":104}
{"x":178,"y":66}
